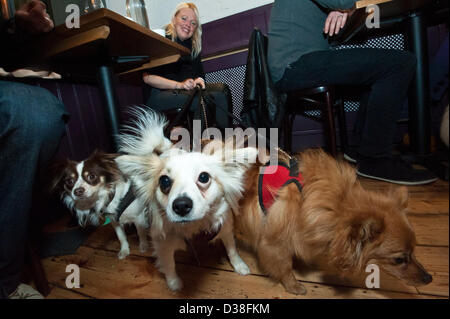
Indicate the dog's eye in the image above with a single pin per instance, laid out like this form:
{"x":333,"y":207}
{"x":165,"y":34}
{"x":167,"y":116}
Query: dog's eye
{"x":92,"y":177}
{"x":203,"y":178}
{"x":400,"y":261}
{"x":165,"y":183}
{"x":70,"y":182}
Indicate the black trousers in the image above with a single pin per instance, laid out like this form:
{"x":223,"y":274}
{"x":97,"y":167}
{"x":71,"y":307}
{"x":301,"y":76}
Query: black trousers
{"x":387,"y":74}
{"x":170,"y":102}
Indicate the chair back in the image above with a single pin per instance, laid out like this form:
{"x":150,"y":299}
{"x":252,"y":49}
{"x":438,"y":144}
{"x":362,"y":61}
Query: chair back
{"x":264,"y":106}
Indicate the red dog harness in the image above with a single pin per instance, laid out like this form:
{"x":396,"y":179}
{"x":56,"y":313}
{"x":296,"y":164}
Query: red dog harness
{"x":273,"y":178}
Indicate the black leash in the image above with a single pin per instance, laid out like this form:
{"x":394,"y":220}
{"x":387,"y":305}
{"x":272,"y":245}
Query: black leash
{"x":125,"y":202}
{"x":183,"y":111}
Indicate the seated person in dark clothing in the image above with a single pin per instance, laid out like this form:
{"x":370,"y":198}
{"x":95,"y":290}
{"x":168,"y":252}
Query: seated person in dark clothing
{"x":31,"y":127}
{"x":299,"y":57}
{"x":168,"y":86}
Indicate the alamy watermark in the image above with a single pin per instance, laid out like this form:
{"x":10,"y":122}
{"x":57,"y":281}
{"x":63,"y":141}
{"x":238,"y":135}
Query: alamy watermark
{"x":373,"y":19}
{"x":237,"y":136}
{"x":373,"y":280}
{"x":73,"y":280}
{"x":73,"y":17}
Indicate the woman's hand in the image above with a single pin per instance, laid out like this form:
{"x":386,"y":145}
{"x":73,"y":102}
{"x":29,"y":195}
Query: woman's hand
{"x":334,"y":22}
{"x":188,"y":84}
{"x":201,"y":82}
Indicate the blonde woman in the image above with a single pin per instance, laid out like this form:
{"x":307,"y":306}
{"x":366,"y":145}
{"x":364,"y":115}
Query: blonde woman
{"x":168,"y":86}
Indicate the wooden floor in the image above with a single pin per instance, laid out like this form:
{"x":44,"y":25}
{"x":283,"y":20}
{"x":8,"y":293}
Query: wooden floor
{"x":207,"y":273}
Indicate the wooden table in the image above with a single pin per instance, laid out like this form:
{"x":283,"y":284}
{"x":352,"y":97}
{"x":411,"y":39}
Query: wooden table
{"x":105,"y":45}
{"x":413,"y":13}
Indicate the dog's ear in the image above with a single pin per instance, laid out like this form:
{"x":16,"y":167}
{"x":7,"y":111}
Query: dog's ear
{"x":138,"y":166}
{"x":235,"y":162}
{"x":101,"y":155}
{"x":240,"y":158}
{"x":366,"y":229}
{"x":348,"y":247}
{"x":131,"y":164}
{"x":95,"y":153}
{"x":56,"y":174}
{"x":246,"y":156}
{"x":143,"y":170}
{"x":108,"y":160}
{"x":401,"y":195}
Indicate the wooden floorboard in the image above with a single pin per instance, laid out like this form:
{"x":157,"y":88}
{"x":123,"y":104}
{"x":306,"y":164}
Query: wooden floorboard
{"x":136,"y":277}
{"x":206,"y":272}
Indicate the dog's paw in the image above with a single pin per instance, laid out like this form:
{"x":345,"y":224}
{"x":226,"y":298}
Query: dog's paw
{"x":143,"y":247}
{"x":241,"y":268}
{"x":296,"y":289}
{"x":123,"y":253}
{"x":174,"y":284}
{"x":239,"y":265}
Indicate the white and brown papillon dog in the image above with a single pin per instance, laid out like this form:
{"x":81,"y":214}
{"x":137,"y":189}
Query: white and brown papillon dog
{"x":95,"y":189}
{"x":186,"y":193}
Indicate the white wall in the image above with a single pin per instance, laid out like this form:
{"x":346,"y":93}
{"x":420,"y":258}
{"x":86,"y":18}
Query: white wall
{"x":160,"y":11}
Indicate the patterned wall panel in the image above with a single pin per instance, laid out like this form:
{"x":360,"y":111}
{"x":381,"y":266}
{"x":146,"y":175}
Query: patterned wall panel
{"x":234,"y":78}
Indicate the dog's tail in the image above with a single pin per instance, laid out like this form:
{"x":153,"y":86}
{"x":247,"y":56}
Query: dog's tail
{"x":145,"y":135}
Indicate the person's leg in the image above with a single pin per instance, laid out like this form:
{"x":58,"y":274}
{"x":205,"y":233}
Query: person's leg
{"x":170,"y":102}
{"x":31,"y":126}
{"x":351,"y":153}
{"x":388,"y":74}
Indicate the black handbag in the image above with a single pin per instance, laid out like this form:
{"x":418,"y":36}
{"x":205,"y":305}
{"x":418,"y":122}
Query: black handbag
{"x":205,"y":112}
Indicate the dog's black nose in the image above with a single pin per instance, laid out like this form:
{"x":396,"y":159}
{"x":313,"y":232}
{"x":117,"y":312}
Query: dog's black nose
{"x":427,"y":278}
{"x":79,"y":191}
{"x":182,"y":205}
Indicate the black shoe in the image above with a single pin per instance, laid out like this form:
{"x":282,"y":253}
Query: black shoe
{"x":393,"y":170}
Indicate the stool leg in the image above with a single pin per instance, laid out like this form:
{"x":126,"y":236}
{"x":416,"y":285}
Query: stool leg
{"x":288,"y":124}
{"x":342,"y":125}
{"x":328,"y":118}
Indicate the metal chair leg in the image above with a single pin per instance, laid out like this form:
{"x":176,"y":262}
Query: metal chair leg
{"x":328,"y":118}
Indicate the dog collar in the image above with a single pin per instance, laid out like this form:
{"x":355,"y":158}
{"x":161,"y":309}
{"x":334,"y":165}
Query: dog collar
{"x":107,"y":221}
{"x":280,"y":175}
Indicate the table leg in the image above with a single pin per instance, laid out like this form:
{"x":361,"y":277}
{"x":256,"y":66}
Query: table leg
{"x":419,"y":101}
{"x":107,"y":88}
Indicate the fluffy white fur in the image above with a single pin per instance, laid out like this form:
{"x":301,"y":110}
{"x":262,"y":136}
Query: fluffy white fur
{"x":145,"y":136}
{"x":212,"y":198}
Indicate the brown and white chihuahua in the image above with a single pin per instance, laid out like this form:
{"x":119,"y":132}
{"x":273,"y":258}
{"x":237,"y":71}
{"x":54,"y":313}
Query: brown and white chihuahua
{"x":95,"y":189}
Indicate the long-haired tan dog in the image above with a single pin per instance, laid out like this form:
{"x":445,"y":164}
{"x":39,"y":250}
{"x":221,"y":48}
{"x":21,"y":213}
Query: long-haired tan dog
{"x":331,"y":221}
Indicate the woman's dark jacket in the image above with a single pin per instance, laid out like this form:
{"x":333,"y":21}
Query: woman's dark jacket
{"x":185,"y":68}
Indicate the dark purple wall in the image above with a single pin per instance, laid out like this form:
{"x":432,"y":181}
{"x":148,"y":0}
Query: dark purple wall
{"x":230,"y":34}
{"x":233,"y":32}
{"x":86,"y":129}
